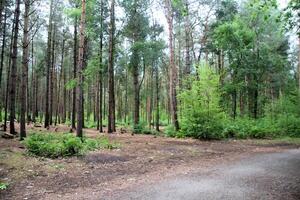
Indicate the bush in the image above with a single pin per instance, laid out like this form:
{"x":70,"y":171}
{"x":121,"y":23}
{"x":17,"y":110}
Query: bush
{"x":142,"y":128}
{"x":54,"y":145}
{"x":139,"y":128}
{"x":289,"y":125}
{"x":243,"y":128}
{"x":201,"y":115}
{"x":170,"y":131}
{"x":203,"y":126}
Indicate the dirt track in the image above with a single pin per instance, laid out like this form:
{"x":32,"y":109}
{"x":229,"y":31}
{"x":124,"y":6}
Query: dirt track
{"x":140,"y":161}
{"x":273,"y":176}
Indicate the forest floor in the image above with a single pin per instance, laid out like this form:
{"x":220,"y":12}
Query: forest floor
{"x":140,"y":160}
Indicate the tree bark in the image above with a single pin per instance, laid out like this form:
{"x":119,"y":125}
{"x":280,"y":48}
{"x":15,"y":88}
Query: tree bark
{"x":157,"y":97}
{"x":3,"y":48}
{"x":111,"y":89}
{"x":73,"y":126}
{"x":80,"y":106}
{"x":52,"y":76}
{"x":48,"y":62}
{"x":173,"y":69}
{"x":8,"y":75}
{"x":24,"y":80}
{"x":100,"y":103}
{"x":14,"y":56}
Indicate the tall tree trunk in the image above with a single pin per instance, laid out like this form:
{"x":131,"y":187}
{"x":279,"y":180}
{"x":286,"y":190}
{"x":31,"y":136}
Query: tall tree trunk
{"x":73,"y":126}
{"x":52,"y":76}
{"x":136,"y":88}
{"x":100,"y":103}
{"x":13,"y":80}
{"x":173,"y":69}
{"x":187,"y":70}
{"x":157,"y":97}
{"x":8,"y":75}
{"x":2,"y":7}
{"x":34,"y":83}
{"x":2,"y":58}
{"x":111,"y":87}
{"x":80,"y":72}
{"x":63,"y":76}
{"x":24,"y":80}
{"x":48,"y":62}
{"x":3,"y":48}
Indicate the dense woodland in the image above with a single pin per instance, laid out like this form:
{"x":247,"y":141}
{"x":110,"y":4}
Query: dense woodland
{"x":207,"y":69}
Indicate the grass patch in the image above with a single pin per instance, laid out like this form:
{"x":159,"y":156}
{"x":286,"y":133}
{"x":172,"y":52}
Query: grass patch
{"x":288,"y":140}
{"x":3,"y":186}
{"x":54,"y":145}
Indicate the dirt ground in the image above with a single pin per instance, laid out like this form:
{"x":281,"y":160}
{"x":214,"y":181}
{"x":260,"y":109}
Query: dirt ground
{"x":140,"y":159}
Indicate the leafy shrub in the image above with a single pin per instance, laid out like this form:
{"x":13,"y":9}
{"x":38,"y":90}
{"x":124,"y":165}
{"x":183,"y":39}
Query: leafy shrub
{"x":139,"y":128}
{"x":202,"y":126}
{"x":54,"y":145}
{"x":289,"y":125}
{"x":170,"y":131}
{"x":201,"y":116}
{"x":243,"y":128}
{"x":142,"y":128}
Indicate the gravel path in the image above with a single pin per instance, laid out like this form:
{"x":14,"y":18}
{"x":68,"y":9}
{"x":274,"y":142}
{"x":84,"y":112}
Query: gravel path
{"x":273,"y":176}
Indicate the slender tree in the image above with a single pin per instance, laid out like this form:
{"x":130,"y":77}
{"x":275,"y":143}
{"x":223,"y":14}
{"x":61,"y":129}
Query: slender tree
{"x":25,"y":60}
{"x":13,"y":78}
{"x":80,"y":72}
{"x":173,"y":70}
{"x":111,"y":87}
{"x":48,"y":67}
{"x":73,"y":125}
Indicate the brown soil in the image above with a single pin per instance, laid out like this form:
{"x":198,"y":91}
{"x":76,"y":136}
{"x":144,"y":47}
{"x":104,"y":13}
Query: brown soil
{"x":140,"y":159}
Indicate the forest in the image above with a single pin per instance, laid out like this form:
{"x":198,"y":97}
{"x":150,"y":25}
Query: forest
{"x":79,"y":77}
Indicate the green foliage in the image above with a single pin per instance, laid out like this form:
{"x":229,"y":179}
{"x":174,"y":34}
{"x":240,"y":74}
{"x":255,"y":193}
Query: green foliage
{"x":243,"y":128}
{"x":200,"y":111}
{"x":3,"y":186}
{"x":170,"y":131}
{"x":71,"y":84}
{"x":142,"y":128}
{"x":54,"y":145}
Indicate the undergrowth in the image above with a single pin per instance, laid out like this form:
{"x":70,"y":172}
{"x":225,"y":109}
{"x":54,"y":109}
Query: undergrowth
{"x":54,"y":145}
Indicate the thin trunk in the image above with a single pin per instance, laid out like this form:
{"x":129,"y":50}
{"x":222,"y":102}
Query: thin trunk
{"x":24,"y":80}
{"x":3,"y":48}
{"x":173,"y":69}
{"x":2,"y":58}
{"x":52,"y":76}
{"x":74,"y":76}
{"x":8,"y":77}
{"x":100,"y":123}
{"x":63,"y":71}
{"x":136,"y":88}
{"x":187,"y":42}
{"x":13,"y":80}
{"x":49,"y":42}
{"x":157,"y":98}
{"x":80,"y":72}
{"x":111,"y":89}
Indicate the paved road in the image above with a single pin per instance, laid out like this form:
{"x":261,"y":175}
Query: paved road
{"x":273,"y":176}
